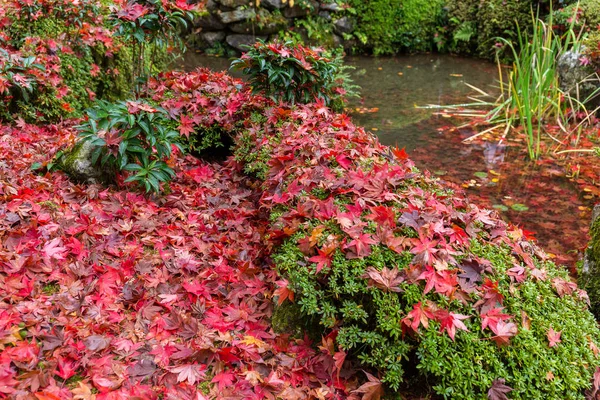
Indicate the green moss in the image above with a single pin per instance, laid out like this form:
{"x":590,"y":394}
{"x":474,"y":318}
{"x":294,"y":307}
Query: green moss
{"x":77,"y":164}
{"x":589,"y":272}
{"x":474,"y":25}
{"x":51,"y":288}
{"x":288,"y":318}
{"x":391,"y":26}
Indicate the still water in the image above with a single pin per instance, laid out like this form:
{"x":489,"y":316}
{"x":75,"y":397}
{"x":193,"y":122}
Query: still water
{"x":396,"y":98}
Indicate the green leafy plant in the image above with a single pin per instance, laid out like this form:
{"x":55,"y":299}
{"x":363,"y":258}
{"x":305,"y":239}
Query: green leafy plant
{"x":151,"y":27}
{"x":291,"y":72}
{"x":132,"y":136}
{"x":532,"y":95}
{"x":16,"y":79}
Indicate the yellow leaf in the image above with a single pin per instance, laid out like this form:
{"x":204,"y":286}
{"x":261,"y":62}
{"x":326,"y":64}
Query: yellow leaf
{"x":83,"y":392}
{"x":252,"y":341}
{"x":253,"y":377}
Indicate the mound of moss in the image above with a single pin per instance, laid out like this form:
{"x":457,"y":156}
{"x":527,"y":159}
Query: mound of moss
{"x":412,"y":280}
{"x":389,"y":27}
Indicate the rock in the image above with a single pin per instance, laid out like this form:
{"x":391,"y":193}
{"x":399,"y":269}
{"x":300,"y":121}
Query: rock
{"x":237,"y":15}
{"x":239,"y":41}
{"x":212,"y":38}
{"x":272,"y":4}
{"x":212,"y":6}
{"x":326,"y":15}
{"x":254,"y":28}
{"x":78,"y":164}
{"x":301,"y":11}
{"x":209,"y":22}
{"x":343,"y":25}
{"x":234,"y":3}
{"x":333,"y":7}
{"x":580,"y":81}
{"x":589,"y":275}
{"x":337,"y":40}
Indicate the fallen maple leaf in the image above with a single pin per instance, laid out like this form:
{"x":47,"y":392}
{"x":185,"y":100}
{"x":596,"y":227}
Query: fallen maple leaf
{"x":450,"y":321}
{"x":504,"y":331}
{"x":282,"y":292}
{"x":499,"y":390}
{"x":191,"y":373}
{"x":83,"y":392}
{"x":553,"y":337}
{"x":223,"y":379}
{"x":386,"y":279}
{"x":371,"y":390}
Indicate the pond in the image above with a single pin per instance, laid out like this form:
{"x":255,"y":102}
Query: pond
{"x":396,"y":96}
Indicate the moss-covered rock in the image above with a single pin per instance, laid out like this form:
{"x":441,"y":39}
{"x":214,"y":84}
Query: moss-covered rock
{"x":77,"y":163}
{"x":475,"y":25}
{"x":589,"y":272}
{"x":411,"y":279}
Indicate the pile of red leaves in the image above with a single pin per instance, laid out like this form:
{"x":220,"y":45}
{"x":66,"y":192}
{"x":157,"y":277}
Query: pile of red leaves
{"x":108,"y":294}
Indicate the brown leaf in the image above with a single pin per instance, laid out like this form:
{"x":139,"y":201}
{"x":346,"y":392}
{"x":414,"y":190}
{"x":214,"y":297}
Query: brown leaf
{"x":371,"y":390}
{"x":386,"y":279}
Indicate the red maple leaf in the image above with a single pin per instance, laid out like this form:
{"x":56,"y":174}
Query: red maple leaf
{"x":444,"y":281}
{"x":563,"y":287}
{"x":383,"y":215}
{"x":492,"y":317}
{"x":323,"y":259}
{"x":420,"y":315}
{"x":424,"y":250}
{"x":400,"y":153}
{"x":450,"y":321}
{"x":360,"y":247}
{"x":283,"y":292}
{"x":553,"y":337}
{"x":224,"y":379}
{"x":191,"y":373}
{"x":504,"y":331}
{"x":186,"y":126}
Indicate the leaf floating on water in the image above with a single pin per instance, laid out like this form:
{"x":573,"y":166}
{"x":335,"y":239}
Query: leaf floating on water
{"x":500,"y":207}
{"x":400,"y":73}
{"x":519,"y":207}
{"x":481,"y":174}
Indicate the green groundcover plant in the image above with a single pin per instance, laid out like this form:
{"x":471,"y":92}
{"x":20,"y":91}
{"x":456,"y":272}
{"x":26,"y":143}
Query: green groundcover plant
{"x":293,"y":73}
{"x":406,"y":275}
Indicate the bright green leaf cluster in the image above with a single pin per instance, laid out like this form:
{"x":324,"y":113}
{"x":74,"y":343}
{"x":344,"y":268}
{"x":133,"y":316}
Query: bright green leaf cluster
{"x":132,"y":136}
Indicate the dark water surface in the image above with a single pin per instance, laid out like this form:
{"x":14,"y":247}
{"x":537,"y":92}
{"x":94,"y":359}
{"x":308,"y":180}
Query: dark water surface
{"x":536,"y":197}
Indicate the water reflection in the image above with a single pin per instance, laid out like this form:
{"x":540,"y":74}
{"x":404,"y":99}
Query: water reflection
{"x":493,"y":174}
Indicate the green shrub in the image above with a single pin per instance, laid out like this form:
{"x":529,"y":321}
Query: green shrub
{"x":132,"y":136}
{"x":391,"y":26}
{"x":474,"y":25}
{"x":293,"y":73}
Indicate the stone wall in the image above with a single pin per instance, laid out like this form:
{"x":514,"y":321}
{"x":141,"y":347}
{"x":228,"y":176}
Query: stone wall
{"x":236,"y":23}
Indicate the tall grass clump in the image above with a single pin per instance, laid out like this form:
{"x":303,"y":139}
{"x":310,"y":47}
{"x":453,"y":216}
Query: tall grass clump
{"x":531,"y":96}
